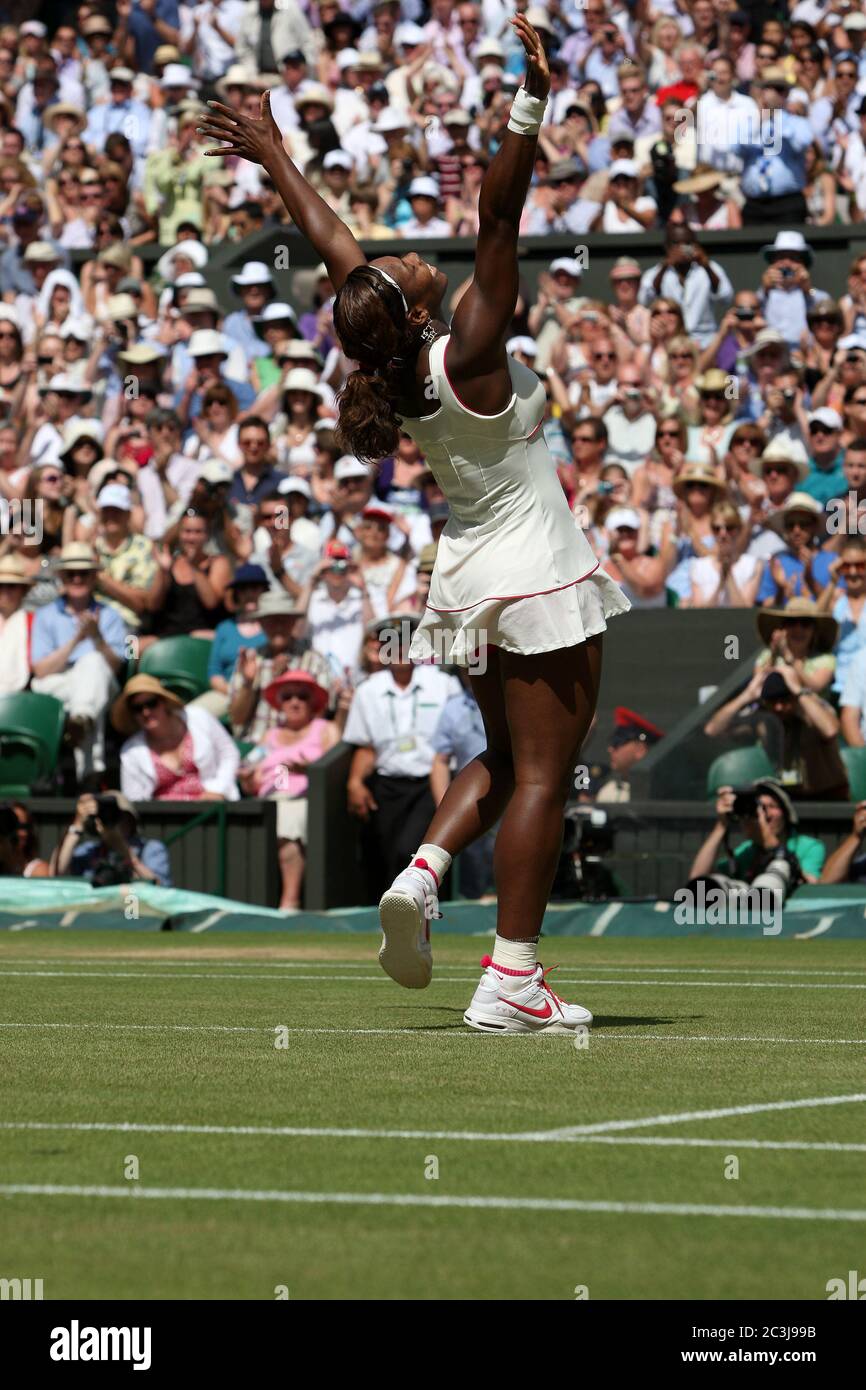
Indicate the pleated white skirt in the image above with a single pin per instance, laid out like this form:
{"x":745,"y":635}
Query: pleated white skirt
{"x":538,"y":623}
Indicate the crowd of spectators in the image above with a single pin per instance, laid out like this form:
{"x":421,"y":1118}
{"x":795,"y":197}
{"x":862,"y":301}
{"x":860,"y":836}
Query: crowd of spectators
{"x":177,"y":450}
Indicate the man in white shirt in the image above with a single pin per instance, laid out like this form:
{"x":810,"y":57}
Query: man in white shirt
{"x":209,"y":32}
{"x":722,"y":115}
{"x":392,"y":721}
{"x":691,"y":279}
{"x":335,"y":613}
{"x":424,"y":200}
{"x":630,"y":422}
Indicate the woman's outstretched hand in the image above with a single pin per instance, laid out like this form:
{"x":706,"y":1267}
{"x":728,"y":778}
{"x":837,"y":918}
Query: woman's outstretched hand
{"x":255,"y":138}
{"x":537,"y":80}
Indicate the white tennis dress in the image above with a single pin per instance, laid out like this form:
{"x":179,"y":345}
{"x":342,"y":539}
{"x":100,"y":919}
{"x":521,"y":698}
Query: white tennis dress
{"x":513,"y":568}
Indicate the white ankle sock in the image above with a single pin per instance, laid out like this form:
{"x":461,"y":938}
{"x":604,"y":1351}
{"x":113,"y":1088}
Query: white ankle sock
{"x":439,"y":860}
{"x":518,"y":957}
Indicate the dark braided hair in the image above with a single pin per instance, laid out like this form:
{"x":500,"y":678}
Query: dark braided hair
{"x":374,"y":329}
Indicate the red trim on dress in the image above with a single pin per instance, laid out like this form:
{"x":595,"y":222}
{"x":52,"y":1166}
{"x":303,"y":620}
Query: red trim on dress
{"x":512,"y":598}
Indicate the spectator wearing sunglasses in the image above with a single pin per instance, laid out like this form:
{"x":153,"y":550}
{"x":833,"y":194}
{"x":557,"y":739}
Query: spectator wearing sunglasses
{"x":826,"y":476}
{"x":845,"y":599}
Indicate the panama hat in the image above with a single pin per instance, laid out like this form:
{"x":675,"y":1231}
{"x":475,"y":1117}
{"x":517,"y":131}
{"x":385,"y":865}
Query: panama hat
{"x":769,"y":619}
{"x":77,"y":555}
{"x":64,"y":108}
{"x":122,"y":716}
{"x":273,"y":691}
{"x":301,"y":379}
{"x":792,"y":242}
{"x":252,"y":273}
{"x":316,"y":95}
{"x":236,"y":75}
{"x":275,"y":312}
{"x":193,"y":250}
{"x":12,"y":571}
{"x":77,"y":431}
{"x":275,"y":605}
{"x":65,"y":385}
{"x":701,"y":181}
{"x":698,"y":473}
{"x":782,"y":450}
{"x":297,"y":350}
{"x":713,"y":380}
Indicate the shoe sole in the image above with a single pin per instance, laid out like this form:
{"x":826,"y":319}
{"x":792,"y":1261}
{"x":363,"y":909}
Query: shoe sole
{"x":399,"y":955}
{"x":485,"y":1025}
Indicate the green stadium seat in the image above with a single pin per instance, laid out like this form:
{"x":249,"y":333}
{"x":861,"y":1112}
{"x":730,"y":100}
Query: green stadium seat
{"x":180,"y":663}
{"x":738,"y":767}
{"x":855,"y":765}
{"x":31,"y":732}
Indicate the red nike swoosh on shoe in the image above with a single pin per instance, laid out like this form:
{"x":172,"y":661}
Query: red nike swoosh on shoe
{"x":524,"y":1008}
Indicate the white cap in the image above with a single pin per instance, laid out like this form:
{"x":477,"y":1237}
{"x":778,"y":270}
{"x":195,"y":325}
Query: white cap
{"x":34,"y":27}
{"x":81,"y":329}
{"x":348,"y":467}
{"x":295,"y":485}
{"x":115,"y":495}
{"x":275,"y":312}
{"x":623,"y":168}
{"x":215,"y":470}
{"x":489,"y":48}
{"x":568,"y":265}
{"x":301,"y":379}
{"x":121,"y":74}
{"x":62,"y":381}
{"x":390,"y":119}
{"x":252,"y":273}
{"x":338,"y":159}
{"x":206,"y":341}
{"x":522,"y":343}
{"x":424,"y":187}
{"x":347,"y":58}
{"x":853,"y":340}
{"x":826,"y":416}
{"x":407,"y":35}
{"x":851,"y":21}
{"x":177,"y":75}
{"x":622,"y":516}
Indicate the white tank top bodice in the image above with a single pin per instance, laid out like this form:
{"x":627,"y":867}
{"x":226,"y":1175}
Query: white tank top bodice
{"x":511,"y":532}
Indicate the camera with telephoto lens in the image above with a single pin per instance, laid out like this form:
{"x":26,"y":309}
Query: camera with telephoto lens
{"x":107,"y":811}
{"x":745,"y":803}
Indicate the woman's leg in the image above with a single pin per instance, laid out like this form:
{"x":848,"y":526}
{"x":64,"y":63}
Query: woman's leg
{"x":549,"y":700}
{"x":477,"y":797}
{"x":291,"y":857}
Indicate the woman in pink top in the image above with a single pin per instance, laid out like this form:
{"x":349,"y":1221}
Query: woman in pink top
{"x":301,"y":738}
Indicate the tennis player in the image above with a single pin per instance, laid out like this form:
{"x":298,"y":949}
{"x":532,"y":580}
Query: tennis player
{"x":516,"y":590}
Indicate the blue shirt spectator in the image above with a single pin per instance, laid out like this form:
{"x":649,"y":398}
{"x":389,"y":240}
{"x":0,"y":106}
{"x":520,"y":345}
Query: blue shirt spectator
{"x":460,"y":732}
{"x":56,"y":623}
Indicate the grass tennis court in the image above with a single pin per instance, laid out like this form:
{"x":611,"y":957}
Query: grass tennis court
{"x":375,"y":1087}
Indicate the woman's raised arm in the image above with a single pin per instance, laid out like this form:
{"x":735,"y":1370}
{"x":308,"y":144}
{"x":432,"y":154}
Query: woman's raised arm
{"x":258,"y":139}
{"x":483,"y":316}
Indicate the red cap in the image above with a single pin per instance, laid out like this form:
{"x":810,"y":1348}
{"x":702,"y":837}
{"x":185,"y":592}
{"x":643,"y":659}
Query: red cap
{"x":376,"y":514}
{"x":335,"y":550}
{"x":626,"y":720}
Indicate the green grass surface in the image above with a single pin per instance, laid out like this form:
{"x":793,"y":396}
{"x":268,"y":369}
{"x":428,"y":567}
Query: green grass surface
{"x":680,"y":1027}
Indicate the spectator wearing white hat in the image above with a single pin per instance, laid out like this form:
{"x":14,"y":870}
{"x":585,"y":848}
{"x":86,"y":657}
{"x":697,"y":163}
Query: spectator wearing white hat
{"x":255,"y":288}
{"x":424,"y":198}
{"x":127,"y":560}
{"x":826,"y":477}
{"x":122,"y":113}
{"x":337,"y":170}
{"x":787,"y":295}
{"x":625,"y":208}
{"x":209,"y":353}
{"x":78,"y":646}
{"x":353,"y":487}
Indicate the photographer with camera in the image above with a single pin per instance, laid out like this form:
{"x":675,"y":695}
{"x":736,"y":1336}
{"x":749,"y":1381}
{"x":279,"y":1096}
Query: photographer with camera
{"x":103,"y":844}
{"x":772,"y":856}
{"x":690,"y":279}
{"x":847,"y":863}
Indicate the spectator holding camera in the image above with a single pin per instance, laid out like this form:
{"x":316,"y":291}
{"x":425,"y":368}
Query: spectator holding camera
{"x":796,"y":725}
{"x":773,"y":856}
{"x":103,"y":844}
{"x":689,"y":278}
{"x":847,"y":863}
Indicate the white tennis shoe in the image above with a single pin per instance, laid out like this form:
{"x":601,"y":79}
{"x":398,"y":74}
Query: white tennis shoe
{"x":405,"y":913}
{"x":534,"y":1008}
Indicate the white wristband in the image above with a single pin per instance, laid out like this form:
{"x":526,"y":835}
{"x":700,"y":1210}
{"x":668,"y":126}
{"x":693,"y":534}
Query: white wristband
{"x":526,"y":113}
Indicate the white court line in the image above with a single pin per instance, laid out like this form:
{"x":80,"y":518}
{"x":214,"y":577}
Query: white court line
{"x":439,"y":1032}
{"x":604,"y":919}
{"x":441,"y":980}
{"x":399,"y":1199}
{"x":455,"y":1136}
{"x":365,"y":965}
{"x":686,"y":1116}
